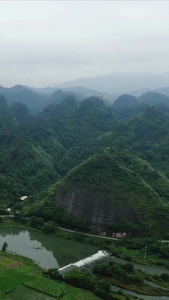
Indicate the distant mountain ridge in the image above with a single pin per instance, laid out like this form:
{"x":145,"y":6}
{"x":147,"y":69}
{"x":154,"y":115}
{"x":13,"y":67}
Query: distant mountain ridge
{"x":118,"y":83}
{"x":38,"y":99}
{"x":19,"y":93}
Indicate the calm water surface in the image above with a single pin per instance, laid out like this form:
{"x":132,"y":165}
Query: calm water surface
{"x":52,"y":252}
{"x":46,"y":251}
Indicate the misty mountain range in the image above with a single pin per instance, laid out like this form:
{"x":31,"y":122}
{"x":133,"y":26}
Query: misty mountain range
{"x":107,"y":87}
{"x":117,"y":83}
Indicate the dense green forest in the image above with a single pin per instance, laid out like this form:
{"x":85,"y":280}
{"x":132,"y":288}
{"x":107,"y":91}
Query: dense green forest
{"x":84,"y":160}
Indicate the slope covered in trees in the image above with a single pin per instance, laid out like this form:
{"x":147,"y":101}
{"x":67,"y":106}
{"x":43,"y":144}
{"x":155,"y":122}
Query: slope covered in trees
{"x":24,"y":166}
{"x":97,"y":152}
{"x":114,"y":185}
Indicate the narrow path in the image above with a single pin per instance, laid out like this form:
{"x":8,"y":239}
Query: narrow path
{"x":6,"y":216}
{"x":99,"y":236}
{"x":88,"y":234}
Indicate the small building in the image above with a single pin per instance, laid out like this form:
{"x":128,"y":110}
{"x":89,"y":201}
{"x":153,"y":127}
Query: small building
{"x":119,"y":235}
{"x":23,"y":198}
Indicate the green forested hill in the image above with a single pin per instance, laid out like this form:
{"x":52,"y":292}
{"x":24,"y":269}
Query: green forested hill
{"x":153,"y":98}
{"x":116,"y":185}
{"x":35,"y":101}
{"x":75,"y":122}
{"x":21,"y":94}
{"x":96,"y":152}
{"x":125,"y":101}
{"x":24,"y":167}
{"x":145,"y":133}
{"x":8,"y":124}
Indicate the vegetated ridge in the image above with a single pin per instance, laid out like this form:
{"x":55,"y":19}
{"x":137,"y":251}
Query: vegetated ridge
{"x":109,"y":163}
{"x":116,"y":185}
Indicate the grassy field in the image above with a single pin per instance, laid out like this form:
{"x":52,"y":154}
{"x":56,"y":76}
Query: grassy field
{"x":25,"y":269}
{"x":10,"y":279}
{"x":3,"y":296}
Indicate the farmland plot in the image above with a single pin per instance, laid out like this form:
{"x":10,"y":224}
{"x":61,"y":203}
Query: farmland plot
{"x":47,"y":286}
{"x":24,"y":269}
{"x":79,"y":294}
{"x":2,"y":269}
{"x":25,"y":293}
{"x":16,"y":276}
{"x":7,"y":285}
{"x":3,"y":296}
{"x":11,"y":279}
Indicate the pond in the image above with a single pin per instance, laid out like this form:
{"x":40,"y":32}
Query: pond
{"x":47,"y":251}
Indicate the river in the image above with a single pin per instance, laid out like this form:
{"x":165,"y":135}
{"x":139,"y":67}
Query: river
{"x":148,"y":269}
{"x":53,"y":252}
{"x":47,"y":251}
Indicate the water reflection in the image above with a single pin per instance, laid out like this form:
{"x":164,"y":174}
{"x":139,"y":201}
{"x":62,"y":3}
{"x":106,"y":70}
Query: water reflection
{"x":4,"y":233}
{"x":46,"y":251}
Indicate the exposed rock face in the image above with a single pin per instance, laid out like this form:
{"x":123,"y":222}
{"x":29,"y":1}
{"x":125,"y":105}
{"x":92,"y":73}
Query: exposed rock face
{"x":92,"y":208}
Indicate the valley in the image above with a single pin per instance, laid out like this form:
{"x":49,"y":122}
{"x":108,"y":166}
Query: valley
{"x":84,"y":150}
{"x":97,"y":170}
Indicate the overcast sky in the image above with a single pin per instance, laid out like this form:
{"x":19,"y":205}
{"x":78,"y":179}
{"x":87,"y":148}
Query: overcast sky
{"x":46,"y":42}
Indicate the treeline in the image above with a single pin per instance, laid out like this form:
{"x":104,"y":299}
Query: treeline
{"x":84,"y":280}
{"x":120,"y":272}
{"x":153,"y":246}
{"x":49,"y":224}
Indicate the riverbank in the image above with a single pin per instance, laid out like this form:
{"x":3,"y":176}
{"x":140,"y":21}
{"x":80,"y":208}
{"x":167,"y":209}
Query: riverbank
{"x":146,"y":289}
{"x":109,"y":244}
{"x":130,"y":277}
{"x":21,"y":279}
{"x":45,"y":239}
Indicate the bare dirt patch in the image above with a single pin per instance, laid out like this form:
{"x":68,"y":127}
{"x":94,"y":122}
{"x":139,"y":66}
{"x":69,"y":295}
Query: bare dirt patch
{"x":15,"y":265}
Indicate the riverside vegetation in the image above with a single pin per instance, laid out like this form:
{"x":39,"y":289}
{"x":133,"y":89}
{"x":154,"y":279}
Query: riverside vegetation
{"x":21,"y":279}
{"x":122,"y":275}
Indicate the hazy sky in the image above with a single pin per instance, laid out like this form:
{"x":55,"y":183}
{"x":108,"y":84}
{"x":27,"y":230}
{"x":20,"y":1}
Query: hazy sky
{"x":46,"y":42}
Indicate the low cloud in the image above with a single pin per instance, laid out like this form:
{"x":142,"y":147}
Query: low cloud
{"x":44,"y":42}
